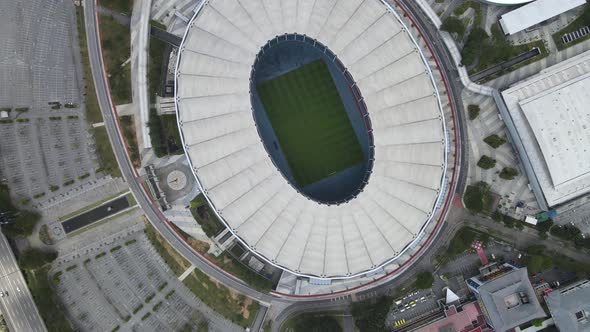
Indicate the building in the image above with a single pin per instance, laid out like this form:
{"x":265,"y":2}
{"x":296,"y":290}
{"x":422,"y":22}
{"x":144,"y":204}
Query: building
{"x":570,"y":307}
{"x":547,"y":120}
{"x":534,"y":13}
{"x":464,"y":318}
{"x":259,"y":205}
{"x":506,"y":296}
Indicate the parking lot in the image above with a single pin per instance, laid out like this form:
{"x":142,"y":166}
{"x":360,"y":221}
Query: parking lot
{"x":127,"y":286}
{"x":46,"y":149}
{"x":412,"y":307}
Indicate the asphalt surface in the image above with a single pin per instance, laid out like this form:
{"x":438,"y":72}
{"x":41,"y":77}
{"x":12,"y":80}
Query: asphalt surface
{"x":153,"y":214}
{"x":160,"y":223}
{"x":156,"y":32}
{"x":18,"y":307}
{"x":96,"y":214}
{"x":449,"y":71}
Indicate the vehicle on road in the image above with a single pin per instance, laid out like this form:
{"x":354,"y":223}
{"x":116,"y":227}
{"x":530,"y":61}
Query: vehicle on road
{"x":3,"y":294}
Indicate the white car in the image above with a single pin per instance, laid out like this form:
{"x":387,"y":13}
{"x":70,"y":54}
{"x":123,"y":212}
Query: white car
{"x":3,"y":294}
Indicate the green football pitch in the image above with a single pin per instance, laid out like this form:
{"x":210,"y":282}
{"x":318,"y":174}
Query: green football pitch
{"x":310,"y":121}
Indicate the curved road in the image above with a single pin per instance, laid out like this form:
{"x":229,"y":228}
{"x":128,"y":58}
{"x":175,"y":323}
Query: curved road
{"x":153,"y":214}
{"x":158,"y":220}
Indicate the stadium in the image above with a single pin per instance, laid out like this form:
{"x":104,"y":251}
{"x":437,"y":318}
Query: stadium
{"x":314,"y":130}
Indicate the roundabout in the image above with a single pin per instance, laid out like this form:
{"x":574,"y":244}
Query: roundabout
{"x":396,"y":117}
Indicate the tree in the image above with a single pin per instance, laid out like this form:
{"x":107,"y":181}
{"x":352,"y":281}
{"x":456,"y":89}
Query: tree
{"x":454,"y":25}
{"x":203,"y":326}
{"x":477,"y":197}
{"x":473,"y":111}
{"x":486,"y":162}
{"x":494,"y":141}
{"x":535,"y":249}
{"x":538,"y":322}
{"x":538,"y":263}
{"x":23,"y":225}
{"x":32,"y":259}
{"x":371,"y":316}
{"x":474,"y":45}
{"x":424,"y":280}
{"x":316,"y":323}
{"x":509,"y":221}
{"x":544,"y":226}
{"x":565,"y":232}
{"x":582,"y":241}
{"x":462,"y":241}
{"x":155,"y":126}
{"x":508,"y":173}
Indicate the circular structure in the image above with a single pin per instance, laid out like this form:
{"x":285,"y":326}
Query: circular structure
{"x":294,"y":54}
{"x":176,"y":180}
{"x":393,"y":86}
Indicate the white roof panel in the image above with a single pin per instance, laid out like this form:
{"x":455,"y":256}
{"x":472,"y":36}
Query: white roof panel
{"x":249,"y":193}
{"x":549,"y":112}
{"x":535,"y":13}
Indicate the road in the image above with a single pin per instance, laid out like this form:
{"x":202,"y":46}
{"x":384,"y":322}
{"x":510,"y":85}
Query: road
{"x":455,"y":221}
{"x":19,"y":309}
{"x":153,"y":214}
{"x":160,"y":223}
{"x":449,"y":72}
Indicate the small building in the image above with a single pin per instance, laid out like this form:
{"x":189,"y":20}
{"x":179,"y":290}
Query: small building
{"x":534,"y":13}
{"x":506,"y":296}
{"x":531,"y":220}
{"x":570,"y":307}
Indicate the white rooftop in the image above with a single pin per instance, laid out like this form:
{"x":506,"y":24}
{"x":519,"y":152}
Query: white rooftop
{"x":239,"y":179}
{"x":535,"y":13}
{"x":551,"y":116}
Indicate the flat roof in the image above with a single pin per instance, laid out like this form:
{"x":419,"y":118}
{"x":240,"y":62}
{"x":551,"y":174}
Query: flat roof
{"x":550,"y":115}
{"x":564,"y":304}
{"x":248,"y":192}
{"x":535,"y":13}
{"x":503,"y":303}
{"x":563,"y":135}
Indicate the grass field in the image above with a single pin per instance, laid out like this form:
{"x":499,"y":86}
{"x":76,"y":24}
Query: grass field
{"x":311,"y":124}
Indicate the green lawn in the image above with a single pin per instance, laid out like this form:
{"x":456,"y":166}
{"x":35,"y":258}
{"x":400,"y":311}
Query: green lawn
{"x":104,"y":150}
{"x":116,"y":44}
{"x":310,"y":121}
{"x":46,"y":300}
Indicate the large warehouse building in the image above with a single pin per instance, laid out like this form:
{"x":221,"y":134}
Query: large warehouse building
{"x":548,"y":120}
{"x":244,"y":64}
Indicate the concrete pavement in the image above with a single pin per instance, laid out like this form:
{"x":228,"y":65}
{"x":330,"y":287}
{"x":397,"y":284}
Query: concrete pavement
{"x":153,"y":214}
{"x":19,"y":309}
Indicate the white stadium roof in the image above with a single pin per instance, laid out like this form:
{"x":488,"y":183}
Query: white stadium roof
{"x":550,"y":113}
{"x":239,"y":179}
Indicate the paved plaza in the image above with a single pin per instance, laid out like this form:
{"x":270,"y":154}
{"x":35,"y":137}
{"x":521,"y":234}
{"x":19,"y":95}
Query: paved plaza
{"x":46,"y":149}
{"x":511,"y":191}
{"x":125,"y":283}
